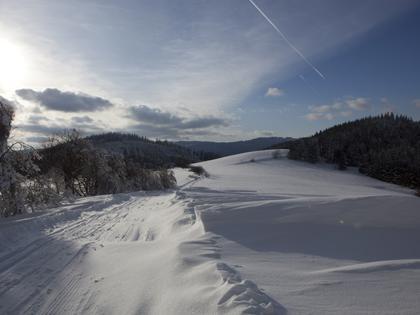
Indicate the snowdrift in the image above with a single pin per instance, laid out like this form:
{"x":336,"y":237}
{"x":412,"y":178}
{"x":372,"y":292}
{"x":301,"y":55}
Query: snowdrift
{"x":317,"y":240}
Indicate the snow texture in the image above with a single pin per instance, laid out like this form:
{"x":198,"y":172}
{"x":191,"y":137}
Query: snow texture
{"x":258,"y":236}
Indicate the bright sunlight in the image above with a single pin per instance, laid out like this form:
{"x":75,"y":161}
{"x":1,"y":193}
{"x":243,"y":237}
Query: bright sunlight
{"x":13,"y":64}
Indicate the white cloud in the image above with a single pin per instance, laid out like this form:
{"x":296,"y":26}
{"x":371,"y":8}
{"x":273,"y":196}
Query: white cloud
{"x":337,"y":105}
{"x":336,"y":109}
{"x":417,"y":102}
{"x":273,"y":91}
{"x":346,"y":113}
{"x":329,"y":116}
{"x":319,"y":116}
{"x":360,"y":103}
{"x":320,"y":108}
{"x":314,"y":116}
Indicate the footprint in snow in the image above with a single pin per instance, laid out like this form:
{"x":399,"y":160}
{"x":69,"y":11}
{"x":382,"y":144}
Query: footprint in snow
{"x":97,"y":280}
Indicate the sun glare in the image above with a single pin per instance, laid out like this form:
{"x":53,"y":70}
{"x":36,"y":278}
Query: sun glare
{"x":13,"y":65}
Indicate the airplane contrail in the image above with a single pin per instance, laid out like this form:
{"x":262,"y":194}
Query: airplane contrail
{"x":287,"y":40}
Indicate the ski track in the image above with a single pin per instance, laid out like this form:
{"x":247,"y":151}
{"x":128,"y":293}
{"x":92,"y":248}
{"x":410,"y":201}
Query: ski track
{"x":44,"y":273}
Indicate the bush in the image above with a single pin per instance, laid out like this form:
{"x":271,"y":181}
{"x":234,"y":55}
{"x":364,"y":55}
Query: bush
{"x":276,"y":154}
{"x":199,"y":170}
{"x":41,"y":192}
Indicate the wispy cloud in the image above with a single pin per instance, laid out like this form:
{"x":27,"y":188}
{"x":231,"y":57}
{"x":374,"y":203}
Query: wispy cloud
{"x":42,"y":126}
{"x":210,"y":59}
{"x":417,"y":102}
{"x":324,"y":112}
{"x":82,"y":119}
{"x":359,"y":103}
{"x":340,"y":108}
{"x":320,"y":108}
{"x":274,"y":92}
{"x":319,"y":116}
{"x":346,"y":113}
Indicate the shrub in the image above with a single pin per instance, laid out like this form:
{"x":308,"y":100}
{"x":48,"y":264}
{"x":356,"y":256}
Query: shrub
{"x":199,"y":170}
{"x":276,"y":154}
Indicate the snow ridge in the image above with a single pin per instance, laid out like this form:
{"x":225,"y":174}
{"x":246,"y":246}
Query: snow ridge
{"x":121,"y":254}
{"x":245,"y":293}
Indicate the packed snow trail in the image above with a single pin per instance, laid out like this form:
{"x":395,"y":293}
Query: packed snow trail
{"x":121,"y":254}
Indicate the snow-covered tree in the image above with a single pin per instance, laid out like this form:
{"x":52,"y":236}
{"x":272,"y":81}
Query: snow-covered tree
{"x":21,"y":186}
{"x":8,"y":202}
{"x":67,"y":165}
{"x":13,"y":165}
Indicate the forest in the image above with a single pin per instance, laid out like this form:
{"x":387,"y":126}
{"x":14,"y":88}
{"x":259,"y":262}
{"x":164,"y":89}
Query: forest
{"x":386,"y":147}
{"x":152,"y":154}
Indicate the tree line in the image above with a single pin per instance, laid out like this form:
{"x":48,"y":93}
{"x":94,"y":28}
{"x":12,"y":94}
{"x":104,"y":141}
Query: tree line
{"x":66,"y":166}
{"x":386,"y":147}
{"x":151,"y":154}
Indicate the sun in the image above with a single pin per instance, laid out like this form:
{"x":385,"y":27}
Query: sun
{"x":13,"y":65}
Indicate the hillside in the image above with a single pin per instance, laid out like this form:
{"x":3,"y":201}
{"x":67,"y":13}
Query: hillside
{"x":150,"y":153}
{"x":259,"y":236}
{"x":315,"y":239}
{"x":230,"y":148}
{"x":386,"y":147}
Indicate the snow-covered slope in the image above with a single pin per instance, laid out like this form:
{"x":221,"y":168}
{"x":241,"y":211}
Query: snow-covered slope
{"x":317,"y":240}
{"x":259,"y":236}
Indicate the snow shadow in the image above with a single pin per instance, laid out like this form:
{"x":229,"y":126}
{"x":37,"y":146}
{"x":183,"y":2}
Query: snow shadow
{"x":38,"y":255}
{"x":34,"y":275}
{"x":363,"y":229}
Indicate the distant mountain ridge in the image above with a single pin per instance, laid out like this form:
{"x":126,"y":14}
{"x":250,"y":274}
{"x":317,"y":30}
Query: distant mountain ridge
{"x":235,"y":147}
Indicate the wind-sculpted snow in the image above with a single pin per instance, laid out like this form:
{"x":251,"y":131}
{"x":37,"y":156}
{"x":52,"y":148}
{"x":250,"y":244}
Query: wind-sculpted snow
{"x":315,"y":239}
{"x":120,"y":254}
{"x":376,"y":266}
{"x":258,"y":236}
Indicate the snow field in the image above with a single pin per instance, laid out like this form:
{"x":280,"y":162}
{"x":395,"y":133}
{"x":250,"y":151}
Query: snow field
{"x":259,"y":236}
{"x":314,"y":239}
{"x":121,"y":254}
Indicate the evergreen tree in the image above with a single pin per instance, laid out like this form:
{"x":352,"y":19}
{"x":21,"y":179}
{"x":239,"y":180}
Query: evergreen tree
{"x":386,"y":147}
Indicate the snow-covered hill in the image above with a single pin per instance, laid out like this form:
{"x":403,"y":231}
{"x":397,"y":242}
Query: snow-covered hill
{"x":315,"y":239}
{"x":259,"y":236}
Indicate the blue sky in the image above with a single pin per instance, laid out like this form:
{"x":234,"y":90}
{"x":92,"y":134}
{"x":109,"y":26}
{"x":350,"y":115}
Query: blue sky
{"x":196,"y":69}
{"x":381,"y":66}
